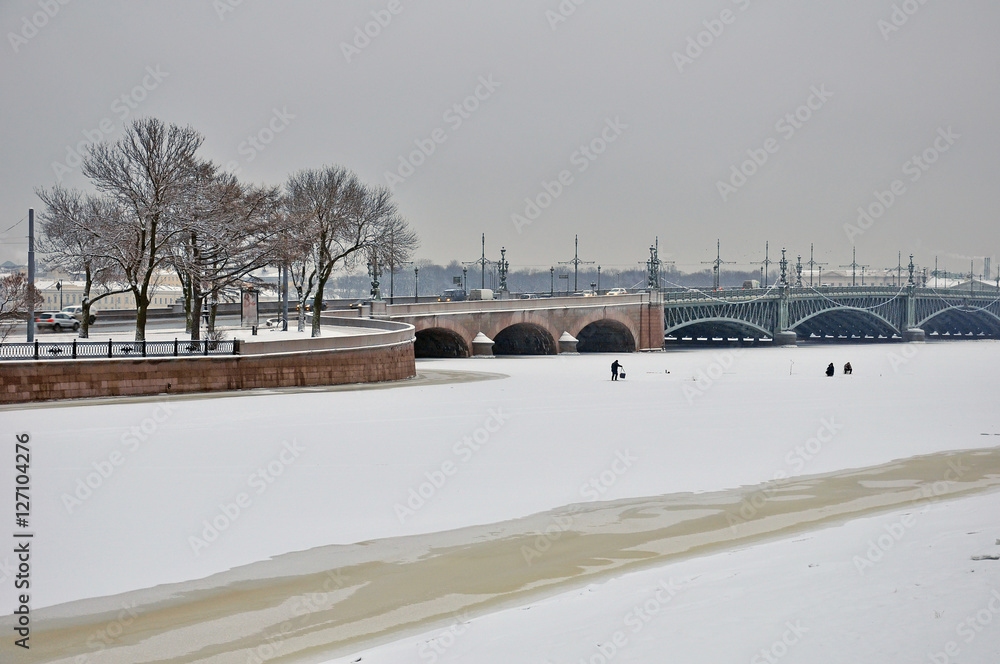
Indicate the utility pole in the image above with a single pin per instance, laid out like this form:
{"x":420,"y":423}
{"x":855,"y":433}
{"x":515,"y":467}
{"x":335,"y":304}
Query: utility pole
{"x":812,"y":266}
{"x":717,"y":264}
{"x":854,"y":266}
{"x":284,"y":297}
{"x":765,"y":264}
{"x":31,"y":275}
{"x":576,"y":262}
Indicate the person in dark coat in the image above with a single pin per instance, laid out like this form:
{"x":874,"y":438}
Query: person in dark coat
{"x":615,"y":366}
{"x":848,"y":369}
{"x":830,"y":370}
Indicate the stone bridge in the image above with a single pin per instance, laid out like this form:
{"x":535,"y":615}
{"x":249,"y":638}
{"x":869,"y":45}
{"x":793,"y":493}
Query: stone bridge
{"x":616,"y":323}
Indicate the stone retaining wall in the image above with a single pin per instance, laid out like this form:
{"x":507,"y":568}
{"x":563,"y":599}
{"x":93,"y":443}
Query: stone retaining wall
{"x":46,"y":380}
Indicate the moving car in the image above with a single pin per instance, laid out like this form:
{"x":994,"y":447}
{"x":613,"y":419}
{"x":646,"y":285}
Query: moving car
{"x":57,"y":321}
{"x":618,"y":291}
{"x":453,"y":295}
{"x":274,"y":322}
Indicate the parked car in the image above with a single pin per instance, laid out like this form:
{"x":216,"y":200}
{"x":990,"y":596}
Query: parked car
{"x":528,"y":296}
{"x":618,"y":291}
{"x":76,"y":311}
{"x":57,"y":321}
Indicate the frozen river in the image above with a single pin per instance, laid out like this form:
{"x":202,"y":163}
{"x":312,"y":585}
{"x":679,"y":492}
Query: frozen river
{"x":434,"y":516}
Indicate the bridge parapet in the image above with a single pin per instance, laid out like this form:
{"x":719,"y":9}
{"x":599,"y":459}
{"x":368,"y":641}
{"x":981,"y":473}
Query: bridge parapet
{"x":477,"y":306}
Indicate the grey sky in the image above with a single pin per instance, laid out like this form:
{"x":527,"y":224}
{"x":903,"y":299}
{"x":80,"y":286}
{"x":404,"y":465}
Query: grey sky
{"x":279,"y":71}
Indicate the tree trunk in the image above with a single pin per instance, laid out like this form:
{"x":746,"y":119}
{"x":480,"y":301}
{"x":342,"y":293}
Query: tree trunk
{"x":142,"y":306}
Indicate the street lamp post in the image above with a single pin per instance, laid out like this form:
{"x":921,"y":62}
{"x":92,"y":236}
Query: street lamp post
{"x":59,"y":288}
{"x":416,"y":284}
{"x":552,"y":281}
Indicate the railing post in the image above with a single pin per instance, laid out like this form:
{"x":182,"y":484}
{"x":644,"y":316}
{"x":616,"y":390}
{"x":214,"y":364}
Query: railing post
{"x":206,"y":346}
{"x":144,"y":348}
{"x":36,"y":349}
{"x":74,"y":349}
{"x":175,"y":346}
{"x":109,"y":349}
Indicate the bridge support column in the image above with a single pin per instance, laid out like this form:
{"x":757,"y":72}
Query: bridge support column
{"x":482,"y":346}
{"x":910,"y":330}
{"x":782,"y":335}
{"x":651,"y":323}
{"x":567,"y":343}
{"x":785,"y":338}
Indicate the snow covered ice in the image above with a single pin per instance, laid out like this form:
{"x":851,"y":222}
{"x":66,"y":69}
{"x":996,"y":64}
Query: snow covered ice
{"x":214,"y":494}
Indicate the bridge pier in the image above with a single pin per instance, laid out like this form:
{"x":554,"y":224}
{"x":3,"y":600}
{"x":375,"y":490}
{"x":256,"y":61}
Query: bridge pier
{"x":785,"y":338}
{"x":567,"y":343}
{"x":482,"y":346}
{"x":914,"y":334}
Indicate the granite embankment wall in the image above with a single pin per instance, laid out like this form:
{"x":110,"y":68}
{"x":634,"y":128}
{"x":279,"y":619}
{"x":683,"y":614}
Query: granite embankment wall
{"x":383,"y":353}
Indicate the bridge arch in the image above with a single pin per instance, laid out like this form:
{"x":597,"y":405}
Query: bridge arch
{"x":961,"y":320}
{"x":718,"y":327}
{"x":845,"y":322}
{"x":524,"y":339}
{"x":605,"y":336}
{"x":440,"y":342}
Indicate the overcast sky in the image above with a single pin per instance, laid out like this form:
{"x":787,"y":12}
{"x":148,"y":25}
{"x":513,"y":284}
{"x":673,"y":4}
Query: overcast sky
{"x":680,"y":108}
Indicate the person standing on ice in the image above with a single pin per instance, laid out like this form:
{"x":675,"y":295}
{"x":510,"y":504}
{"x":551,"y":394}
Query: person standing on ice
{"x":615,"y":366}
{"x":830,"y":370}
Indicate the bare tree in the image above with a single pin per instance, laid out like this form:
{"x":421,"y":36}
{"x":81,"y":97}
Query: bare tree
{"x":74,"y":231}
{"x":15,"y":298}
{"x":146,"y":172}
{"x":344,"y":222}
{"x":230,"y":230}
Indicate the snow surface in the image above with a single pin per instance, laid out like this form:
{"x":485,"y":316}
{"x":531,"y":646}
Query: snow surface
{"x":322,"y":467}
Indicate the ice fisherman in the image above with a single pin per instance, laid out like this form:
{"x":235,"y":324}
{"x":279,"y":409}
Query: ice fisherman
{"x":848,"y":369}
{"x":615,"y":366}
{"x":830,"y":370}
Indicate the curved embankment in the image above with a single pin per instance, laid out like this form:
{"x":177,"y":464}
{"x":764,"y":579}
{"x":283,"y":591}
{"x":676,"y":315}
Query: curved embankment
{"x":334,"y":600}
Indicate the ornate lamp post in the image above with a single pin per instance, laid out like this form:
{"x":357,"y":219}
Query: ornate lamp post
{"x":503,"y":266}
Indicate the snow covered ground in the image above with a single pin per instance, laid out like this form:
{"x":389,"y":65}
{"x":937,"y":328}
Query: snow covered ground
{"x":129,"y":495}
